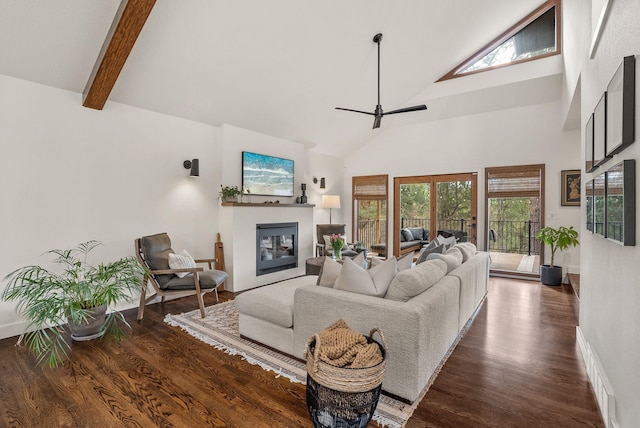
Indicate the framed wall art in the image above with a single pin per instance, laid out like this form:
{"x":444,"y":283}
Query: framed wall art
{"x":600,"y":132}
{"x":571,"y":186}
{"x":588,"y":146}
{"x":620,"y":123}
{"x":589,"y":205}
{"x":599,"y":205}
{"x":621,"y":203}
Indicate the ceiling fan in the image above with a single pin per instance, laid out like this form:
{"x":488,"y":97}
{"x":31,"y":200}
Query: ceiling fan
{"x":378,"y":113}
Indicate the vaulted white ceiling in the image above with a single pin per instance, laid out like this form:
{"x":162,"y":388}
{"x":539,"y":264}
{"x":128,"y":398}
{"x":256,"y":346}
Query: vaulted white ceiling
{"x":281,"y":66}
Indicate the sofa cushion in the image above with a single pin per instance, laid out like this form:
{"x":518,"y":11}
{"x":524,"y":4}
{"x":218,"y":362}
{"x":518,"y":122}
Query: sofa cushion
{"x":406,"y":235}
{"x":425,"y":251}
{"x":272,"y":303}
{"x":409,"y":283}
{"x":452,"y":257}
{"x":468,"y":250}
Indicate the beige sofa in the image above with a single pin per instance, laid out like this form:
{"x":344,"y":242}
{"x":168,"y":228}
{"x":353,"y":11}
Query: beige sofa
{"x":419,"y":332}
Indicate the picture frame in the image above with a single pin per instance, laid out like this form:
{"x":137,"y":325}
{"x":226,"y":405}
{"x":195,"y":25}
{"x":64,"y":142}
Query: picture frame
{"x":620,"y":123}
{"x":571,"y":185}
{"x":588,"y":146}
{"x":589,"y":206}
{"x":600,"y":132}
{"x":599,"y":205}
{"x":621,"y":203}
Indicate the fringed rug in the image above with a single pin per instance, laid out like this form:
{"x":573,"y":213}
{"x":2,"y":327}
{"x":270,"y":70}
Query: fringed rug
{"x":219,"y":328}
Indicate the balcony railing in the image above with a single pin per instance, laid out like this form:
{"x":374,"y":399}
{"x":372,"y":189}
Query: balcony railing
{"x":504,"y":236}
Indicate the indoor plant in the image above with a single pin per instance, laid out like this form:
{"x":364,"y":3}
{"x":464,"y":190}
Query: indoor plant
{"x":557,"y":239}
{"x":229,"y":193}
{"x":77,"y":296}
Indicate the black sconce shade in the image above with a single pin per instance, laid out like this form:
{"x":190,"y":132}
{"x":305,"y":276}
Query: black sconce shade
{"x":194,"y":166}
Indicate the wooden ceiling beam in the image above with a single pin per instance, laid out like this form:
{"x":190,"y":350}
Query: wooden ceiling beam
{"x":124,"y":31}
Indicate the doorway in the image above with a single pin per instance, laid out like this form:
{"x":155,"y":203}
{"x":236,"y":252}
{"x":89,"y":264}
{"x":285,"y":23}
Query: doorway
{"x":444,"y":203}
{"x":514,"y":213}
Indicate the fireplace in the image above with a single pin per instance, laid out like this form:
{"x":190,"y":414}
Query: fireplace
{"x":276,"y":247}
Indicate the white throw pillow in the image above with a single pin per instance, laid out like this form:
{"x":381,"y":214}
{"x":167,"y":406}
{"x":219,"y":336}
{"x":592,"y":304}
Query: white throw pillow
{"x":409,"y":283}
{"x":468,"y":250}
{"x":372,"y":282}
{"x":329,"y":272}
{"x":448,"y":242}
{"x":452,"y":257}
{"x":405,"y":262}
{"x":181,"y":261}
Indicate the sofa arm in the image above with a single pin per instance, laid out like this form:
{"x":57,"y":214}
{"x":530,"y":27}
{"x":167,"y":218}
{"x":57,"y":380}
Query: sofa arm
{"x":418,"y":333}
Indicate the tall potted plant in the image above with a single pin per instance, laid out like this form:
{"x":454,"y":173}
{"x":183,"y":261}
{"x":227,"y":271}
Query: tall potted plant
{"x":557,"y":239}
{"x":77,"y":296}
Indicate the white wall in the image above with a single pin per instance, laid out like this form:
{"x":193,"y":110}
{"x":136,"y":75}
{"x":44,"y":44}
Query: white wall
{"x":609,"y":280}
{"x":70,"y":174}
{"x":526,"y":135}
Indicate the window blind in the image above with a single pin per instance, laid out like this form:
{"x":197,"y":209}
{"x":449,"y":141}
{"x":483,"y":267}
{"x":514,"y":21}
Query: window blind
{"x":371,"y":187}
{"x":523,"y":182}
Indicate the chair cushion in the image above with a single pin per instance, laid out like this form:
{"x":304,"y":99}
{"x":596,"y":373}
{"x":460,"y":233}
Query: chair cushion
{"x":208,"y":279}
{"x":417,"y":233}
{"x":156,"y":249}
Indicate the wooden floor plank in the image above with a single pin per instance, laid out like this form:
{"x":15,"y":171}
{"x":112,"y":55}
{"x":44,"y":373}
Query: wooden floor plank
{"x":518,"y":365}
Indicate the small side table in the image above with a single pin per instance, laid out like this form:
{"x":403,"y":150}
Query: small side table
{"x":313,"y":265}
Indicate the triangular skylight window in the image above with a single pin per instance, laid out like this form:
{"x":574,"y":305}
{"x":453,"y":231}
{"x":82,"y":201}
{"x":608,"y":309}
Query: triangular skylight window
{"x":536,"y":36}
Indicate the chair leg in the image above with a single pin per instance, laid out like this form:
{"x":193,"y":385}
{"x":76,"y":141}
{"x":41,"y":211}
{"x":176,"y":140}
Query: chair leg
{"x":215,"y":290}
{"x":143,"y":301}
{"x":199,"y":293}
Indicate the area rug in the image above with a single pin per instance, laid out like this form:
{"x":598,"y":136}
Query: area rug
{"x":219,"y":328}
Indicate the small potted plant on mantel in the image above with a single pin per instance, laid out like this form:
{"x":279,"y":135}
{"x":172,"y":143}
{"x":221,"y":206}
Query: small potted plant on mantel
{"x":77,"y":295}
{"x":557,"y":239}
{"x":229,"y":193}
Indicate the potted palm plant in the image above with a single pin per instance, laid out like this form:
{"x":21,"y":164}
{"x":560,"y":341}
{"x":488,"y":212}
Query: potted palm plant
{"x":557,"y":239}
{"x":75,"y":297}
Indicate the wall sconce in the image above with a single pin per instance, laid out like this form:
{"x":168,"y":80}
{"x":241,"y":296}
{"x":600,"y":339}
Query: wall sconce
{"x":322,"y":185}
{"x":194,"y":166}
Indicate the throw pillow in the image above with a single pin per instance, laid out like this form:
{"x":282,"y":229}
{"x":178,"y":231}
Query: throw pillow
{"x":372,"y":282}
{"x":468,"y":250}
{"x":181,"y":261}
{"x":409,"y":283}
{"x":431,"y":245}
{"x":416,"y":233}
{"x":405,"y":262}
{"x":329,"y":272}
{"x":425,"y":251}
{"x":452,"y":257}
{"x":448,"y":242}
{"x":327,"y":243}
{"x":360,"y":260}
{"x":406,"y":235}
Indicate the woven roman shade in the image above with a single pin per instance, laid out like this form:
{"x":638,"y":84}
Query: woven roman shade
{"x":520,"y":182}
{"x":371,"y":187}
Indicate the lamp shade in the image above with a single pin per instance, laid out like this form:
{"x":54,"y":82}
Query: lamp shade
{"x":330,"y":201}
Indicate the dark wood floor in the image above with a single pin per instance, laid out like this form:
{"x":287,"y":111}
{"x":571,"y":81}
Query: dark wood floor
{"x":517,"y":366}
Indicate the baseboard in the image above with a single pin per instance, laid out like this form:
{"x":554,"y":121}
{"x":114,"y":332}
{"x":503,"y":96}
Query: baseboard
{"x":599,"y":383}
{"x":15,"y":329}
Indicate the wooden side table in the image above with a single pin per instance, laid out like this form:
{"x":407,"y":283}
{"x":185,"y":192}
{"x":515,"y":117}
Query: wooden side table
{"x":313,"y":265}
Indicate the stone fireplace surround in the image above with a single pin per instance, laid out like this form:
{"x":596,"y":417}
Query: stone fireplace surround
{"x":238,"y":233}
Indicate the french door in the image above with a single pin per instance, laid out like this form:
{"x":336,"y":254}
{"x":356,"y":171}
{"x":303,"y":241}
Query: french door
{"x":514,"y":212}
{"x":438,"y":203}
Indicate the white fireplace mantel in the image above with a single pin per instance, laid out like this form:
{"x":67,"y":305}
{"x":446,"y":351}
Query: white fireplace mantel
{"x":238,"y":233}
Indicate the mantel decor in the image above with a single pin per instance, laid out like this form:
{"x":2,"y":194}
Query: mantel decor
{"x":265,"y":204}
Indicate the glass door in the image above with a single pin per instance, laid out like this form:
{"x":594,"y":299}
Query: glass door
{"x":514,"y":214}
{"x":370,"y":195}
{"x":442,"y":204}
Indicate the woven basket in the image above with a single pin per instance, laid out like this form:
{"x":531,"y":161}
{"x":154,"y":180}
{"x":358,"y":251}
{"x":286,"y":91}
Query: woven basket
{"x":340,"y":397}
{"x":341,"y":378}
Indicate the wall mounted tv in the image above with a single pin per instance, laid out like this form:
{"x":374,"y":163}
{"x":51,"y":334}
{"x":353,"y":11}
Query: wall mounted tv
{"x":267,"y":175}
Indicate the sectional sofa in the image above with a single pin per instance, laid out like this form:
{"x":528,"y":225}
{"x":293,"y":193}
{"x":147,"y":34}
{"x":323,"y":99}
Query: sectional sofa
{"x":421,"y":313}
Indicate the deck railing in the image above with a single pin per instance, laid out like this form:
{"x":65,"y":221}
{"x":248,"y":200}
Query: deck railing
{"x":504,"y":236}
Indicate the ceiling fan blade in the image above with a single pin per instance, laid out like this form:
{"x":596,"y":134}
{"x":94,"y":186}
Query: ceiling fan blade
{"x":407,"y":109}
{"x":356,"y":111}
{"x":376,"y":122}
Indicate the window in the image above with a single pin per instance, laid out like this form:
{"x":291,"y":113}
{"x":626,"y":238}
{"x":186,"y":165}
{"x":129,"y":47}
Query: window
{"x":370,"y":195}
{"x":535,"y":36}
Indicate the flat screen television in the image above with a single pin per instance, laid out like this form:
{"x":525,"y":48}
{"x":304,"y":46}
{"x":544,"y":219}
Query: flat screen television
{"x":267,"y":175}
